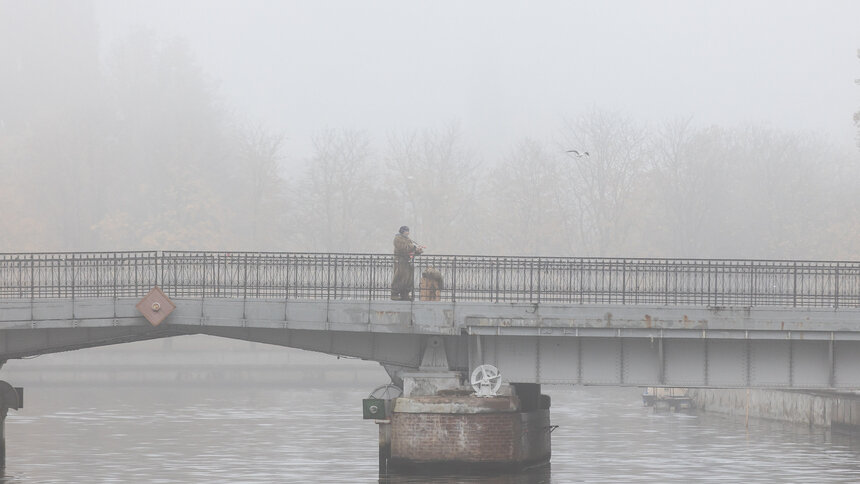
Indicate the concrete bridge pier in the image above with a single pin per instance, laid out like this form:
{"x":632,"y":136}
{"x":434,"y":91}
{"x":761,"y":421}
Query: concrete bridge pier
{"x":10,"y":397}
{"x":439,"y":425}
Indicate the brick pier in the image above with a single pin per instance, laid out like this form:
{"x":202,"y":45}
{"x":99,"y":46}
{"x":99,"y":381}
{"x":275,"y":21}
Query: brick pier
{"x":458,"y":432}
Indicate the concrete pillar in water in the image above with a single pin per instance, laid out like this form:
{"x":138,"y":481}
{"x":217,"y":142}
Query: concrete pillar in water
{"x":3,"y":412}
{"x":439,"y":425}
{"x":384,"y":445}
{"x":10,"y":397}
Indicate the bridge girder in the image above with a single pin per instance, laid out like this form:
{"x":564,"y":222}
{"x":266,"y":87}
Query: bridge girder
{"x":712,"y":363}
{"x":530,"y":343}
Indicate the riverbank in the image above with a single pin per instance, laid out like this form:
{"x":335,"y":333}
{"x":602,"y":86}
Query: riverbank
{"x":821,"y":409}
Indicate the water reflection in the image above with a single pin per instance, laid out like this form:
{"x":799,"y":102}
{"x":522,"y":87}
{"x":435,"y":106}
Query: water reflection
{"x":537,"y":475}
{"x":263,"y":435}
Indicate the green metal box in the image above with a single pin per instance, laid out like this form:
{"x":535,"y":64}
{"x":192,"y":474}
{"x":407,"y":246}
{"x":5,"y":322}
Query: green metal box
{"x":374,"y":408}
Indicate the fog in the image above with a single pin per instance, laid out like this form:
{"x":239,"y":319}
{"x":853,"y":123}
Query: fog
{"x":713,"y":129}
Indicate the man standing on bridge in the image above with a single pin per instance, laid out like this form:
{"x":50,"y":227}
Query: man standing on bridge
{"x":404,"y":273}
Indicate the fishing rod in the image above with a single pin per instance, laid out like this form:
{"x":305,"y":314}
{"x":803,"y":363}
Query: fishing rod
{"x":417,"y":244}
{"x":418,"y":249}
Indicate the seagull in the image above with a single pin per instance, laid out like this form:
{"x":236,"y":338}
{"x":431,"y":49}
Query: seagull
{"x":577,"y":153}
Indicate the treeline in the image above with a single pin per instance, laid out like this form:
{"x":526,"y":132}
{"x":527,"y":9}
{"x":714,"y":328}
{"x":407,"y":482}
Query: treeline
{"x":135,"y":150}
{"x":676,"y":190}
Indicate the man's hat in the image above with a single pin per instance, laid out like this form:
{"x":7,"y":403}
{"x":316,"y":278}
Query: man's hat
{"x":404,"y":229}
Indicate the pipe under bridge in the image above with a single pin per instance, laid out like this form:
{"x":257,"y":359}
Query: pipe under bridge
{"x":589,"y":321}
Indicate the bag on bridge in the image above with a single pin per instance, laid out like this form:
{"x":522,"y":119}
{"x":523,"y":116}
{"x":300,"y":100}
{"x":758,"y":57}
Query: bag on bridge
{"x":430,"y":287}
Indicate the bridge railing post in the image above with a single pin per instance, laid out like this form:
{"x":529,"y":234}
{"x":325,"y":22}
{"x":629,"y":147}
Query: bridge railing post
{"x":159,"y":265}
{"x":836,"y":288}
{"x":496,"y":278}
{"x":244,"y":259}
{"x":19,"y":282}
{"x":73,"y":277}
{"x":581,"y":269}
{"x":287,"y":275}
{"x":538,"y":280}
{"x":666,"y":282}
{"x":752,"y":283}
{"x":623,"y":281}
{"x":609,"y":287}
{"x":175,"y":266}
{"x":203,"y":258}
{"x":114,"y":259}
{"x":794,"y":286}
{"x":32,"y":277}
{"x":258,"y":259}
{"x":454,"y":280}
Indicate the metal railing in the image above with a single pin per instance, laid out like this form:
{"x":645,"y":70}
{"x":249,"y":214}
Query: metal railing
{"x":78,"y":274}
{"x":573,"y":280}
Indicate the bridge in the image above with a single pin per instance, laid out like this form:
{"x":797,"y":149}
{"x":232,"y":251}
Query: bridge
{"x":539,"y":320}
{"x":590,"y":321}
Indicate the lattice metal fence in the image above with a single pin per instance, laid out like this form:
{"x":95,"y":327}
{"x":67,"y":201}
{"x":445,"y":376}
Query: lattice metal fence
{"x":276,"y":275}
{"x":81,"y":274}
{"x":671,"y":282}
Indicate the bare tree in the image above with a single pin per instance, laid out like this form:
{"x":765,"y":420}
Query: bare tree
{"x":260,"y":196}
{"x":780,"y":196}
{"x":341,"y":202}
{"x":171,"y":147}
{"x":50,"y":127}
{"x":751,"y":192}
{"x":857,"y":114}
{"x":600,"y":186}
{"x":434,"y":178}
{"x":848,"y":198}
{"x":523,"y":194}
{"x":691,"y":171}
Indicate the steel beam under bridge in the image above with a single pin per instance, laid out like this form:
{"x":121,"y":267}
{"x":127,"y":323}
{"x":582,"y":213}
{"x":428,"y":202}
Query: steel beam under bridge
{"x":637,"y":345}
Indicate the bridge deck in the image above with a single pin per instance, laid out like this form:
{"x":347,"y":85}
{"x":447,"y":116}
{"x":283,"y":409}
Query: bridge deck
{"x":774,"y":324}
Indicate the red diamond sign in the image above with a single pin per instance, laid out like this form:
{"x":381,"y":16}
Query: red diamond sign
{"x":156,"y":306}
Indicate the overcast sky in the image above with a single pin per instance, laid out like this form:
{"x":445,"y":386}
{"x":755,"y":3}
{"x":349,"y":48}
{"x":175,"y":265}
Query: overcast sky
{"x":505,"y":70}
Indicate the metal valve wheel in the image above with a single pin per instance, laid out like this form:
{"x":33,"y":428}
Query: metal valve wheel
{"x":486,"y":380}
{"x":386,"y":392}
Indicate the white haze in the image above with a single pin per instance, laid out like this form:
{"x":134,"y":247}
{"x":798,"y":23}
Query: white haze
{"x":512,"y":69}
{"x":716,"y":129}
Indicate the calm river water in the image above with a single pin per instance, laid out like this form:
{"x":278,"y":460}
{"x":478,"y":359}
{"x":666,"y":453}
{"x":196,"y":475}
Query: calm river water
{"x":225,"y":433}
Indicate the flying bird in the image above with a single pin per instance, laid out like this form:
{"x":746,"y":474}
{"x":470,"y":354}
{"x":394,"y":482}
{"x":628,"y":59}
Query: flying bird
{"x":577,"y":153}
